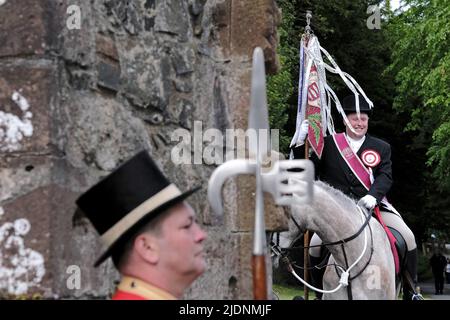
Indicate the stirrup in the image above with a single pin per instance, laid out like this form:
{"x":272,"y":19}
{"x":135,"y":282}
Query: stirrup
{"x":416,"y":295}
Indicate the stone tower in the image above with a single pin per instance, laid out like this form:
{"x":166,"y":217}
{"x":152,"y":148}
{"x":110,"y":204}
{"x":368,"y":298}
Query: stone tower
{"x":86,"y":84}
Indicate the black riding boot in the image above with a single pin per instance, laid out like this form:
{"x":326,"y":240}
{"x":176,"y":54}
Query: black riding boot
{"x":411,"y":268}
{"x":316,"y":274}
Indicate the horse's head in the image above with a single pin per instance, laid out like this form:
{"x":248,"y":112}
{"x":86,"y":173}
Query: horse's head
{"x":296,"y":228}
{"x":327,"y":207}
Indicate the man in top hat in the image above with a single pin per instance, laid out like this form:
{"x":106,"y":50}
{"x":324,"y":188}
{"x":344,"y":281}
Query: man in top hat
{"x":373,"y":155}
{"x":148,"y":229}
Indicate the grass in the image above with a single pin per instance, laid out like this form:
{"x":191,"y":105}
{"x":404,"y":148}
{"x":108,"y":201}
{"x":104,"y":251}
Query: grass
{"x":285,"y":292}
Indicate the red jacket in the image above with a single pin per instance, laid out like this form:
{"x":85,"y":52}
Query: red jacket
{"x":136,"y":289}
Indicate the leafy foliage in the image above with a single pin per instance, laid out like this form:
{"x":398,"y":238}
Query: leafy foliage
{"x":280,"y":87}
{"x":421,"y":64}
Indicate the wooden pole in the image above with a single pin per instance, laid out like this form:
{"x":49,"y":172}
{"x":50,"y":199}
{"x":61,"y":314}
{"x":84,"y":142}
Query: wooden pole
{"x":259,"y":277}
{"x":306,"y":242}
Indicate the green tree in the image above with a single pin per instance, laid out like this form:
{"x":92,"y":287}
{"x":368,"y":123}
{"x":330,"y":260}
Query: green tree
{"x":280,"y":87}
{"x":420,"y":66}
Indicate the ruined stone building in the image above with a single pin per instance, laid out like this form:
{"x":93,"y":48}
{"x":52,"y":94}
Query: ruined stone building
{"x":84,"y":85}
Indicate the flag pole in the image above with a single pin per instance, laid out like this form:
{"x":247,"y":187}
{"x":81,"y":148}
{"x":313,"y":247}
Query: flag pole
{"x":306,"y":234}
{"x":306,"y":243}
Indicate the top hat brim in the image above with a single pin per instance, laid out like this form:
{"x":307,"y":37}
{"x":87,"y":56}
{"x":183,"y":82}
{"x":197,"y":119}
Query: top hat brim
{"x":145,"y":219}
{"x":369,"y":112}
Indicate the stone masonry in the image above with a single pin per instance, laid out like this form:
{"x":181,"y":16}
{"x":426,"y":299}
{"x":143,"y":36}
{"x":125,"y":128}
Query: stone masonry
{"x":76,"y":100}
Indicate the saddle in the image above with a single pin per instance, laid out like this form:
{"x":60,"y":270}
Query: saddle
{"x":400,"y":245}
{"x":392,"y":240}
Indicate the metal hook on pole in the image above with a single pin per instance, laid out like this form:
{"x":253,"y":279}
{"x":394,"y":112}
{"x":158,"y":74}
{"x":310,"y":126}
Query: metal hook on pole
{"x":308,"y":29}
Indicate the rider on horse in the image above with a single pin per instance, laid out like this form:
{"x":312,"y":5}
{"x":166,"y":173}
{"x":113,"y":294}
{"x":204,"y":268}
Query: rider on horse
{"x":335,"y":168}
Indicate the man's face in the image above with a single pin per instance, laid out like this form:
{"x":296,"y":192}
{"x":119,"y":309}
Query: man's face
{"x":360,"y":125}
{"x":181,"y":243}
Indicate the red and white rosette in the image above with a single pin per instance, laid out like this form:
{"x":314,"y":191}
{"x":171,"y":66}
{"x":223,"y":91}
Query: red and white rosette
{"x":370,"y":158}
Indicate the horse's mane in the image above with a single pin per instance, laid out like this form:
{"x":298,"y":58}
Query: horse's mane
{"x":345,"y":202}
{"x":326,"y":199}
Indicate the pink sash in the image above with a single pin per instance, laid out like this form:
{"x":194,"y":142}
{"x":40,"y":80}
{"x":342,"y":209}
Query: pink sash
{"x":363,"y":175}
{"x":352,"y":160}
{"x":358,"y":168}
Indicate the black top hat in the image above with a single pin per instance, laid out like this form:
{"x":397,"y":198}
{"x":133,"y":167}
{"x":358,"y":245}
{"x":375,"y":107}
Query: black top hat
{"x":349,"y":105}
{"x":127,"y":198}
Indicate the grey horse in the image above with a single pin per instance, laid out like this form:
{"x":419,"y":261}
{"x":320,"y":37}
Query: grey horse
{"x":334,"y":217}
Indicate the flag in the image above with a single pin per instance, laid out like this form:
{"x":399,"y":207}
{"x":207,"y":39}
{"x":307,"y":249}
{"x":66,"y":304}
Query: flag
{"x":309,"y":100}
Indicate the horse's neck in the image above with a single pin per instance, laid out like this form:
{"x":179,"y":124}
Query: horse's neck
{"x":333,"y":223}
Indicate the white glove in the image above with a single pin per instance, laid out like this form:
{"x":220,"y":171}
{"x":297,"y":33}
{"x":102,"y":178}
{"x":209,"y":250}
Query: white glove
{"x":368,"y":201}
{"x":303,"y":132}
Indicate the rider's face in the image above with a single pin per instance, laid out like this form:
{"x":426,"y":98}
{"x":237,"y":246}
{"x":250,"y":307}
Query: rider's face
{"x":359,"y":124}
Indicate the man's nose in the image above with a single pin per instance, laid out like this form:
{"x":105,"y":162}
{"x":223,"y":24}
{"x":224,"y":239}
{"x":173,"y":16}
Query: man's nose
{"x":200,"y":235}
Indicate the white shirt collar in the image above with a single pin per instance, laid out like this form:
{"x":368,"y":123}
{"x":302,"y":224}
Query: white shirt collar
{"x":355,"y":144}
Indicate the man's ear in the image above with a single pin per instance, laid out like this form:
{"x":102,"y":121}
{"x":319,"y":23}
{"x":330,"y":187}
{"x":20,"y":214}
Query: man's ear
{"x":147,"y":247}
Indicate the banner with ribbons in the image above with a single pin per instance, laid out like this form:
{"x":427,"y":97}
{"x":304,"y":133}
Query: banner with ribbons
{"x":316,"y":97}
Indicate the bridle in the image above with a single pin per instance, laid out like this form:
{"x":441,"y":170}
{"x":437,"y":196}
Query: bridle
{"x":345,"y":278}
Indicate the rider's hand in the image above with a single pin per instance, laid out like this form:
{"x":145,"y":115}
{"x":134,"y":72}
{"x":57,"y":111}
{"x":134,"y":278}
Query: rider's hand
{"x":368,"y":201}
{"x":303,"y":132}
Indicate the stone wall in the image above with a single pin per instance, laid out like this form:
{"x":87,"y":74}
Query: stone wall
{"x":77,"y":102}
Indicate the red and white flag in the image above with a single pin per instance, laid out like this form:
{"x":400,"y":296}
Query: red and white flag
{"x":309,"y":98}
